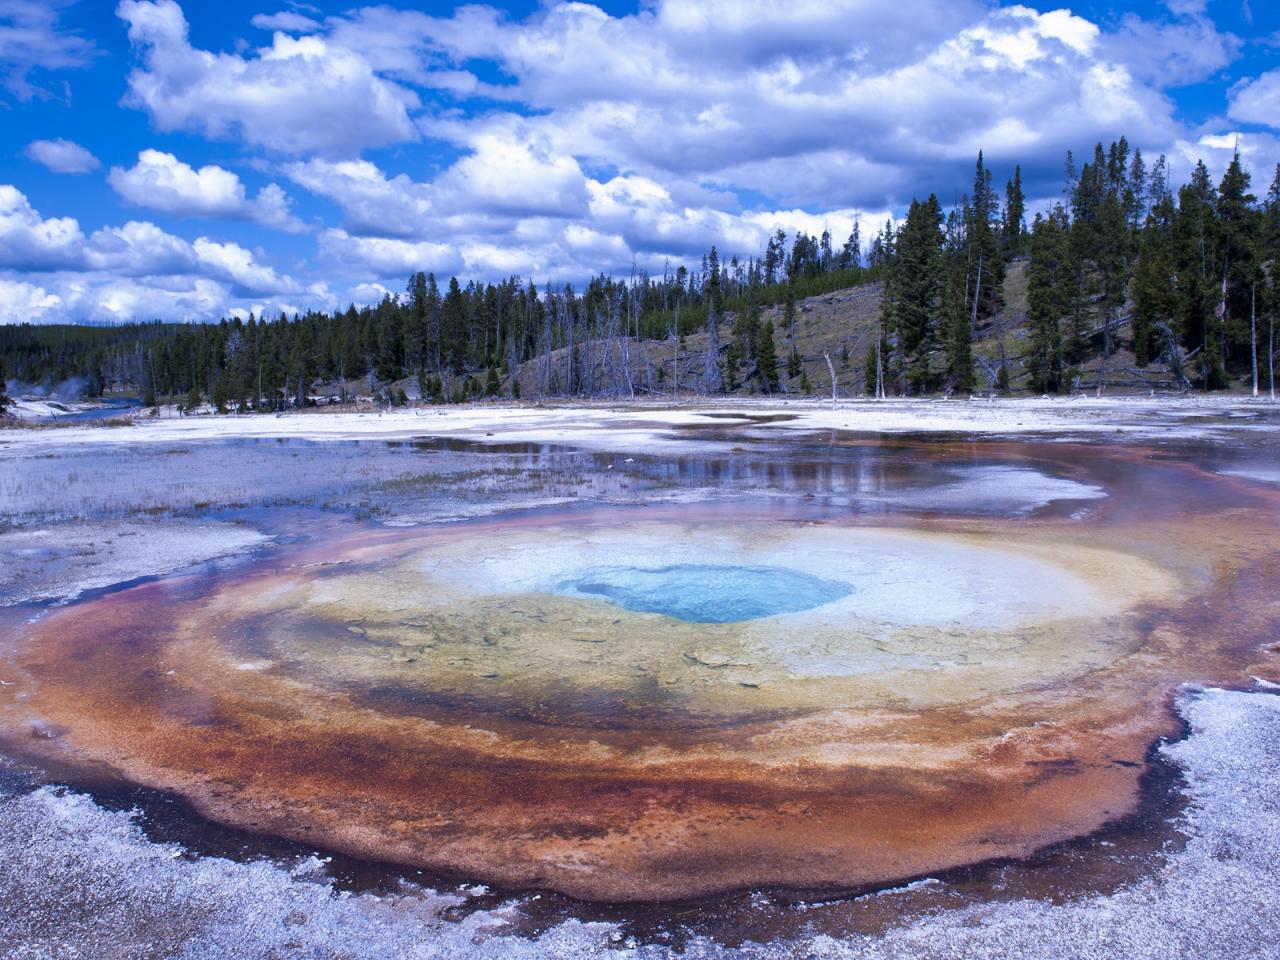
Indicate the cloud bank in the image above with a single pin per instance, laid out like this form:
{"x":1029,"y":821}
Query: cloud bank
{"x":573,"y":141}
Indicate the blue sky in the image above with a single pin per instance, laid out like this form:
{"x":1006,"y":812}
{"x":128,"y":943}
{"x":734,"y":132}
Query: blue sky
{"x":182,"y":160}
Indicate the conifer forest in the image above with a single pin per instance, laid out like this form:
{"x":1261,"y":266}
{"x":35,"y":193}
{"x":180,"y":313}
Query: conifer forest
{"x":1183,"y":277}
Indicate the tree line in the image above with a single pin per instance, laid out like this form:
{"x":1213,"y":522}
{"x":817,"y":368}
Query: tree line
{"x":453,"y":342}
{"x":1123,"y":270}
{"x":1183,"y":277}
{"x":1122,"y":262}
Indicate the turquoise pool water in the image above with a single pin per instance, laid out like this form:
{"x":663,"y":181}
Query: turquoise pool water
{"x":700,"y":593}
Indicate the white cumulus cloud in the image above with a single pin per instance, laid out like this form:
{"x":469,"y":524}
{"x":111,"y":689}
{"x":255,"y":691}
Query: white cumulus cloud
{"x":160,"y":181}
{"x":390,"y":256}
{"x":298,"y":95}
{"x":139,"y":249}
{"x":570,"y":140}
{"x":31,"y":243}
{"x":371,"y":202}
{"x":1257,"y":100}
{"x":22,"y":302}
{"x":62,"y":156}
{"x":237,"y":265}
{"x":823,"y":104}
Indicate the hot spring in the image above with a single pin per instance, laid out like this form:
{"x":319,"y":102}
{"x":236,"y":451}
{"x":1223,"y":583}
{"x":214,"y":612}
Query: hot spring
{"x":699,"y":593}
{"x":817,"y":669}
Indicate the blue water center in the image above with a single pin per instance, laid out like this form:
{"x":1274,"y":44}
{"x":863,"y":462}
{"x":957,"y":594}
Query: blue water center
{"x":701,"y":593}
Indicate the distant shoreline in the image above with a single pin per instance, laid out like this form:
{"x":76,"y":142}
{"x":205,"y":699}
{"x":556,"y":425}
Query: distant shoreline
{"x":651,"y":423}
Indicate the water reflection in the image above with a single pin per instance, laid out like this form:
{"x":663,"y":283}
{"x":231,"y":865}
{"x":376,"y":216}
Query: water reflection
{"x":425,"y":479}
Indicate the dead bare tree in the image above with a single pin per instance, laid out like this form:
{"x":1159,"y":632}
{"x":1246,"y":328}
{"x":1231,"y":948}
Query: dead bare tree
{"x":711,"y":365}
{"x":633,"y":306}
{"x":675,"y":336}
{"x":831,"y":370}
{"x":588,"y":377}
{"x":628,"y":378}
{"x":513,"y":360}
{"x":568,"y":323}
{"x":1172,"y":355}
{"x":547,"y":320}
{"x":993,"y":375}
{"x":615,"y":348}
{"x":1253,"y":334}
{"x":879,"y":362}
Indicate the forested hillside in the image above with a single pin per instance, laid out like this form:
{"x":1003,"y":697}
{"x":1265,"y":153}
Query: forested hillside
{"x":1126,"y":280}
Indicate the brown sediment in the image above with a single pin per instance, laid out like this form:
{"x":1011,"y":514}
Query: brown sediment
{"x":309,"y":697}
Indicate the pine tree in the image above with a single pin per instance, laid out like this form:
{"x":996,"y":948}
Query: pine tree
{"x":987,"y":263}
{"x":959,"y":346}
{"x":732,"y":366}
{"x":1195,"y":265}
{"x":1136,"y":199}
{"x":766,"y":359}
{"x":1049,"y":283}
{"x":1015,"y":227}
{"x":453,"y":327}
{"x":5,"y":401}
{"x":1155,"y":295}
{"x":851,"y":252}
{"x":1271,"y":228}
{"x":715,"y":296}
{"x":1239,"y":231}
{"x":956,"y":315}
{"x":774,"y":258}
{"x":914,"y":293}
{"x":1271,"y":257}
{"x":1101,"y":246}
{"x":1111,"y":261}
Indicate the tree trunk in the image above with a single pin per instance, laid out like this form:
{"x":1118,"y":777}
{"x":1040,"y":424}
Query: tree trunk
{"x":1253,"y":334}
{"x":831,"y":370}
{"x":977,"y":293}
{"x":569,"y":385}
{"x":675,"y":377}
{"x":879,"y":364}
{"x":711,"y":365}
{"x":1106,"y":348}
{"x":1220,"y":313}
